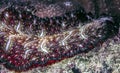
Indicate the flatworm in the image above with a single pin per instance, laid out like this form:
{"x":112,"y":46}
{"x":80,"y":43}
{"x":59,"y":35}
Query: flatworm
{"x":28,"y":41}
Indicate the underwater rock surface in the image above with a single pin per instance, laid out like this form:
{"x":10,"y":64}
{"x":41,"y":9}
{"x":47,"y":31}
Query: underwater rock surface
{"x":39,"y":37}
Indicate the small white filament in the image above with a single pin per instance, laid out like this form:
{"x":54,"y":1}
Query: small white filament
{"x":67,"y":37}
{"x":42,"y":33}
{"x":63,"y":24}
{"x":81,"y":33}
{"x":18,"y":26}
{"x":9,"y":41}
{"x":26,"y":52}
{"x":8,"y":44}
{"x":42,"y":46}
{"x":4,"y":25}
{"x":29,"y":43}
{"x":34,"y":22}
{"x":68,"y":3}
{"x":6,"y":14}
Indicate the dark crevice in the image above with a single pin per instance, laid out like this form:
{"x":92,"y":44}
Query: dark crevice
{"x":96,"y":8}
